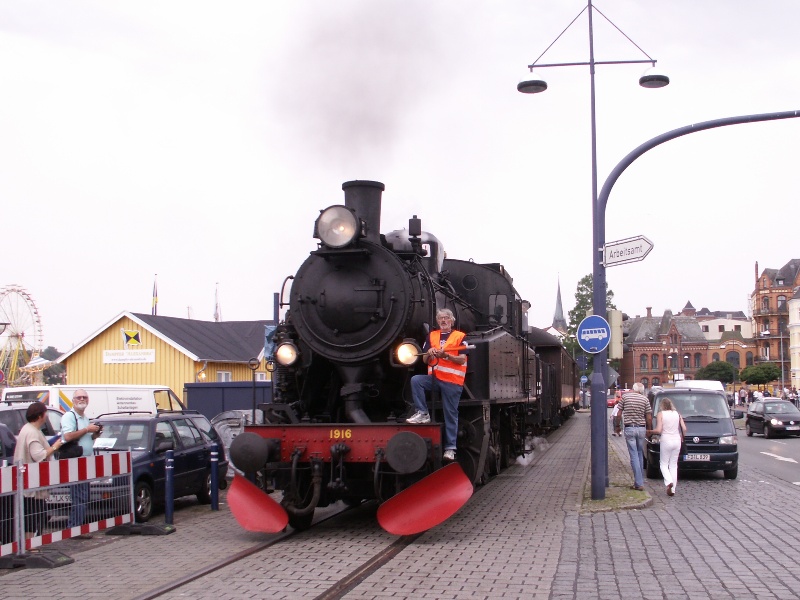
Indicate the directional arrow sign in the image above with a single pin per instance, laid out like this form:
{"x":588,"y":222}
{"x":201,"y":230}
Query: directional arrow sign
{"x":626,"y":251}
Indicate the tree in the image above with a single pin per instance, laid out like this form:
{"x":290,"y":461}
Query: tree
{"x":55,"y":374}
{"x":718,"y":370}
{"x":583,"y":303}
{"x":760,"y":374}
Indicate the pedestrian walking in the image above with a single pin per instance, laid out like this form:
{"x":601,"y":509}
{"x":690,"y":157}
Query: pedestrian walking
{"x":637,"y":416}
{"x":614,"y":412}
{"x":670,"y":428}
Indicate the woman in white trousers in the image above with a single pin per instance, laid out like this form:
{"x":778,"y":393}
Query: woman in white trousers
{"x":670,"y":426}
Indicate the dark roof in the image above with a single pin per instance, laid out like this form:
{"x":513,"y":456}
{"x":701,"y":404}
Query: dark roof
{"x":789,"y":271}
{"x":731,"y":335}
{"x":539,"y":337}
{"x":648,"y":329}
{"x":226,"y":341}
{"x":722,"y":314}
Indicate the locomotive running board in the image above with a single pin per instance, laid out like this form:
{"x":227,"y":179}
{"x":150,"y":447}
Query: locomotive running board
{"x":427,"y":503}
{"x":253,"y":509}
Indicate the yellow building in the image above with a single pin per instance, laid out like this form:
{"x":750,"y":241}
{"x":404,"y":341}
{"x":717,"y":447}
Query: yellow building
{"x":135,"y":348}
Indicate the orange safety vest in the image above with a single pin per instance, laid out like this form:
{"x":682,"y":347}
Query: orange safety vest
{"x":445,"y":370}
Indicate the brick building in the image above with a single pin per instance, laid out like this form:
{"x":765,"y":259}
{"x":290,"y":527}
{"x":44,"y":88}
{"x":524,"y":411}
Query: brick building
{"x":769,"y":303}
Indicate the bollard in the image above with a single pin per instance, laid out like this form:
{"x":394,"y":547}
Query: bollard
{"x":214,"y":477}
{"x":169,"y":492}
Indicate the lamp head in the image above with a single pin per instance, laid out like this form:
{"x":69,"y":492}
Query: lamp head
{"x":651,"y":79}
{"x":533,"y":86}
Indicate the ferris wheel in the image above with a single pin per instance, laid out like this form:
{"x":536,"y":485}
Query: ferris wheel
{"x":22,"y":338}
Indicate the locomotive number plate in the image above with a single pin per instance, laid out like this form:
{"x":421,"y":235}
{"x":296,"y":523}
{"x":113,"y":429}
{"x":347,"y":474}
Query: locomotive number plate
{"x":341,"y":434}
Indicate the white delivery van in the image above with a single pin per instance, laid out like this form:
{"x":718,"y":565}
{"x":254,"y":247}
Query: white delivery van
{"x":700,"y":384}
{"x":103,"y":399}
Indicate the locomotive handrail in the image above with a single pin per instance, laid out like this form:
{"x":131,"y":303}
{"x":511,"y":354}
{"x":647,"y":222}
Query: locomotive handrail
{"x":281,"y":303}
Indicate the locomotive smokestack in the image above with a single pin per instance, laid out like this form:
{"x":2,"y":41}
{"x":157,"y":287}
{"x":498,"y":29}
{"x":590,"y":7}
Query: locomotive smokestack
{"x":364,"y":197}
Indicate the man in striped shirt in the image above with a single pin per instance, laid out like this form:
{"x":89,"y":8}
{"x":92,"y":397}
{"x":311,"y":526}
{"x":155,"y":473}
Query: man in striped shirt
{"x":637,"y":416}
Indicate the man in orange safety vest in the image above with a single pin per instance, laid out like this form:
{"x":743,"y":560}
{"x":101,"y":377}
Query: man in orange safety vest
{"x":447,"y":367}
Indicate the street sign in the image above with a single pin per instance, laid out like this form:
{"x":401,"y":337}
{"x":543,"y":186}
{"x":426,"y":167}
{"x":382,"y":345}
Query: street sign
{"x":594,"y":334}
{"x":626,"y":251}
{"x":584,"y":379}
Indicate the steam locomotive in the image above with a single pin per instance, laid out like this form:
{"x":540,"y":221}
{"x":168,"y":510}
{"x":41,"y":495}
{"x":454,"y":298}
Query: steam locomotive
{"x":360,"y":308}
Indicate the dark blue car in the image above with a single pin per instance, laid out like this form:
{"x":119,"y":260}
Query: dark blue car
{"x":187,"y":433}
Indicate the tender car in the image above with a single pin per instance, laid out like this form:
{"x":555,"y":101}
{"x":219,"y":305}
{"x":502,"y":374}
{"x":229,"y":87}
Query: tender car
{"x":187,"y":433}
{"x":771,"y":417}
{"x":711,"y":442}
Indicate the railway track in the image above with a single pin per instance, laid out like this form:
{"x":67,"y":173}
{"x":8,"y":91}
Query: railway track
{"x":363,"y":549}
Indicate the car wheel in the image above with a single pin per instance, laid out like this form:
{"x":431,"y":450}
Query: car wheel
{"x":767,"y":431}
{"x":731,"y":473}
{"x":143,"y":496}
{"x":204,"y":493}
{"x":747,"y":429}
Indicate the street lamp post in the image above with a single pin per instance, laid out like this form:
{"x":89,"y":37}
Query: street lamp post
{"x":600,"y":365}
{"x":605,"y":192}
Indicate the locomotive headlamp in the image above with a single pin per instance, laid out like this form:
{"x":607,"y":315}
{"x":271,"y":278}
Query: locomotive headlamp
{"x":337,"y":226}
{"x":286,"y":354}
{"x":407,"y":353}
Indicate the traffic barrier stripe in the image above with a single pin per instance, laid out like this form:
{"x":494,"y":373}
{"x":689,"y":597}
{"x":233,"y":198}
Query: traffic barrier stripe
{"x":48,"y":474}
{"x":73,"y":470}
{"x":8,"y":479}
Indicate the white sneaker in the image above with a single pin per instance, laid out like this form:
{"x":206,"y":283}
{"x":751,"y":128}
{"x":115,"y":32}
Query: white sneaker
{"x":449,"y":455}
{"x":419,"y":418}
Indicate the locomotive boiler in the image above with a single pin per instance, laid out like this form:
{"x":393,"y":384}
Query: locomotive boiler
{"x":359,"y":310}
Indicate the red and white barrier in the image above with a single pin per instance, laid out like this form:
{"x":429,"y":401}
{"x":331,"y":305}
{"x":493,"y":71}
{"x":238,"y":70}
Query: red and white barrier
{"x":49,"y":474}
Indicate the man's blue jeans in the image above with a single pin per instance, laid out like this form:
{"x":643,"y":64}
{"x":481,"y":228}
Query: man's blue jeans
{"x":450,"y":393}
{"x":634,"y":438}
{"x":80,"y":498}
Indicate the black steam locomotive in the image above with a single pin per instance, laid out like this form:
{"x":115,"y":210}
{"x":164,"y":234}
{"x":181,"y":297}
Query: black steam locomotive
{"x":360,"y":308}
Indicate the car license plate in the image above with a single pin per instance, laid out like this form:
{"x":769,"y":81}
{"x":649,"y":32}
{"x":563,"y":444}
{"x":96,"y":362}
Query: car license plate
{"x":697,"y":457}
{"x":58,"y":499}
{"x":793,"y":428}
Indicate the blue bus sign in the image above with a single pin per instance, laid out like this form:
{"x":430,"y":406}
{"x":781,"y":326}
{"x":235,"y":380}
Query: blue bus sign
{"x":594,"y":334}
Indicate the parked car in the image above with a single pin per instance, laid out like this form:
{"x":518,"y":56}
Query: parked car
{"x":187,"y":433}
{"x":8,"y":441}
{"x":711,"y":442}
{"x":12,"y":415}
{"x":771,"y":417}
{"x":611,"y":400}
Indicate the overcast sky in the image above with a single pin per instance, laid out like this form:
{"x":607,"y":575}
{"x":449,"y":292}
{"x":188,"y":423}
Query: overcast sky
{"x":198,"y":140}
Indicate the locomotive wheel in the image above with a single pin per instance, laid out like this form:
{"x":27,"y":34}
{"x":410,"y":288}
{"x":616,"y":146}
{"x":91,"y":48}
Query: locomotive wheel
{"x":471,"y":449}
{"x":494,"y":459}
{"x":301,"y":523}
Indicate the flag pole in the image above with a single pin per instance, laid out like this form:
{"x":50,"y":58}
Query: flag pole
{"x":154,"y":308}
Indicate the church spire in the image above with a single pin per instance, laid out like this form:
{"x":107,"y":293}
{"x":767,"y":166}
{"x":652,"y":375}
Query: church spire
{"x":559,"y":322}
